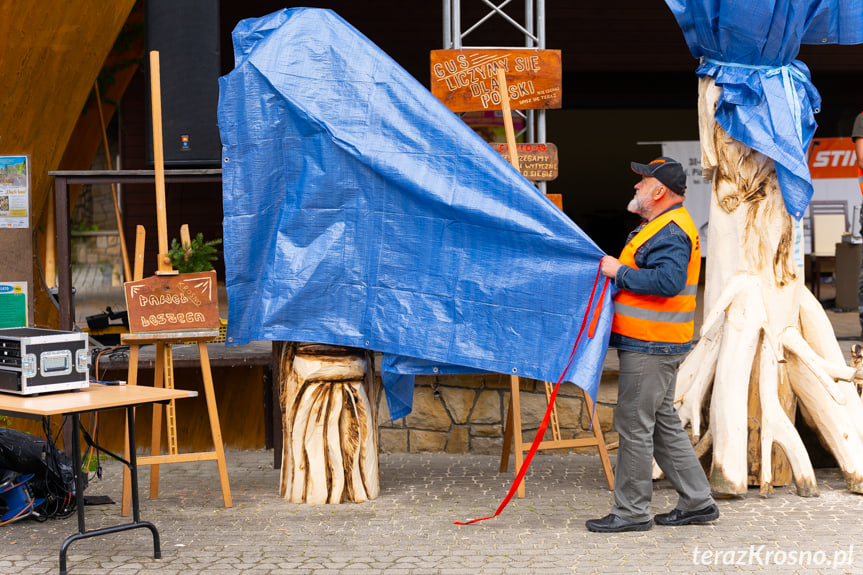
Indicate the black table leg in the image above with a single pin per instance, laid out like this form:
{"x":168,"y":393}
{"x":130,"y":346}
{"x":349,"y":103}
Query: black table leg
{"x":79,"y":494}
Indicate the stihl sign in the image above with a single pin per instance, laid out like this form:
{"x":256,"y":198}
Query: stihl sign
{"x":832,"y":158}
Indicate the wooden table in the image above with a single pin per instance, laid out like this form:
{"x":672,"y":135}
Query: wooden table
{"x":95,"y":398}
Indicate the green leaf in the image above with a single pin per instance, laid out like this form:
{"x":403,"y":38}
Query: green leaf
{"x":198,"y":256}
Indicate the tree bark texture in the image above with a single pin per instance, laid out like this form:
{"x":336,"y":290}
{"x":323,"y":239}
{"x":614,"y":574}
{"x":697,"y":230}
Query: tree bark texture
{"x":329,"y":424}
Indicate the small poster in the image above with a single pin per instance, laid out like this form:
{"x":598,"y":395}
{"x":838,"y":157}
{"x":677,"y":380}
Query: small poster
{"x":14,"y":192}
{"x":13,"y":304}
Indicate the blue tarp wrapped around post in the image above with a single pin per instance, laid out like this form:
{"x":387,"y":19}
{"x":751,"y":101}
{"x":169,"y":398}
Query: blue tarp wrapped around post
{"x":768,"y":100}
{"x":360,"y":211}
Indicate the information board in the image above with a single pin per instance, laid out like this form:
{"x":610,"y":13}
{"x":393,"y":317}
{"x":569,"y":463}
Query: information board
{"x":537,"y":162}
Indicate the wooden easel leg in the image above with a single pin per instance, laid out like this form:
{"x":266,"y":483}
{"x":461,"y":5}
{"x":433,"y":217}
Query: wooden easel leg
{"x":600,"y":442}
{"x":516,"y":429}
{"x":170,"y":407}
{"x":131,"y":379}
{"x":132,"y":374}
{"x":507,"y":440}
{"x":156,"y":437}
{"x":215,"y":428}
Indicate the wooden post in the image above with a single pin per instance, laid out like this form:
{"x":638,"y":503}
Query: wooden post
{"x":140,"y":236}
{"x":164,"y":262}
{"x":127,"y":273}
{"x":512,"y":429}
{"x":50,"y":245}
{"x":507,"y":119}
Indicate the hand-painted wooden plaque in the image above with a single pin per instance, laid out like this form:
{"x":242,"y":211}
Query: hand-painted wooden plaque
{"x":537,"y":162}
{"x":183,"y":302}
{"x":466,"y":80}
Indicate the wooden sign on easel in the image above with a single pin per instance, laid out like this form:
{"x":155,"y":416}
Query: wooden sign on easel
{"x":166,"y":309}
{"x":182,"y":302}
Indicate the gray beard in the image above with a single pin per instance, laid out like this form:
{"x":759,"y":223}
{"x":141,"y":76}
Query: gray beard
{"x":634,"y":206}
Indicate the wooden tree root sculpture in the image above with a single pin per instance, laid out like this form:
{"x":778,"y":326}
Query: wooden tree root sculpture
{"x":764,"y":336}
{"x":330,"y":426}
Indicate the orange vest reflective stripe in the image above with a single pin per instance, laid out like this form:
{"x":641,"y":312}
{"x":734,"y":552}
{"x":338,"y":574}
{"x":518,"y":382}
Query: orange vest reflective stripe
{"x":656,"y":318}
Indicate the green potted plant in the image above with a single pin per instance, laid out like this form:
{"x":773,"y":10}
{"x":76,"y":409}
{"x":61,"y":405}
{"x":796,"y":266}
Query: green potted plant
{"x":196,"y":257}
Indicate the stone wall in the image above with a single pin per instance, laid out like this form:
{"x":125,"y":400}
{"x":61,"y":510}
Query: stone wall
{"x":100,"y":248}
{"x":467,"y":414}
{"x":95,"y":240}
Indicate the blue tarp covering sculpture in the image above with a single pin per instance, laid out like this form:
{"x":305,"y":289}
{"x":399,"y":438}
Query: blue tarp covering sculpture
{"x":360,"y":211}
{"x":768,"y":100}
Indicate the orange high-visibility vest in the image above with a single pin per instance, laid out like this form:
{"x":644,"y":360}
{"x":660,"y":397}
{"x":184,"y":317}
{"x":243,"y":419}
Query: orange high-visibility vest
{"x":656,"y":318}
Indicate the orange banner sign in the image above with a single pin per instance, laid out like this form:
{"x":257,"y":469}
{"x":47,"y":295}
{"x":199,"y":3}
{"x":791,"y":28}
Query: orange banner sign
{"x":183,"y":302}
{"x":832,"y":158}
{"x":466,"y":80}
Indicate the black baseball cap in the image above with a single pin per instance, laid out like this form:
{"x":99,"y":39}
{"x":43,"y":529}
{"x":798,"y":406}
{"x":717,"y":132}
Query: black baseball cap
{"x":666,"y":170}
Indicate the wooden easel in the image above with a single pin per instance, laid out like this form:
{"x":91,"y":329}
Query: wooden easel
{"x":512,"y":431}
{"x":512,"y":435}
{"x":164,"y":368}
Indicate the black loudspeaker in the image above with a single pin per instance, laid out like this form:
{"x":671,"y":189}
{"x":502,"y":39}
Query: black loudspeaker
{"x":186,"y":35}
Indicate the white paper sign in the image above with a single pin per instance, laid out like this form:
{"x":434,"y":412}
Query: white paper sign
{"x":14,"y":192}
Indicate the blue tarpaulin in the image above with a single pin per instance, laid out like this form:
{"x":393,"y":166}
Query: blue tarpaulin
{"x":768,"y":100}
{"x":359,"y":211}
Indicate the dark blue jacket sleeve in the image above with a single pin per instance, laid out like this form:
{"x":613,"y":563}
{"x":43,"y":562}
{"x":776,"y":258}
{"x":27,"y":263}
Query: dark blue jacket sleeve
{"x":662,"y":261}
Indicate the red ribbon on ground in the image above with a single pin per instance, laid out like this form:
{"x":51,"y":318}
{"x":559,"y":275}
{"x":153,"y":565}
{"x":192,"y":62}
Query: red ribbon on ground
{"x":544,"y":425}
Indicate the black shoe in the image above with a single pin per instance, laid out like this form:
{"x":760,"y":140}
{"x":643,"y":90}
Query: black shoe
{"x":679,"y":517}
{"x":611,"y":523}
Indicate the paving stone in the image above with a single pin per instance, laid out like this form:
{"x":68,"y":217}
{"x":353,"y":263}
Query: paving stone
{"x":409,"y":528}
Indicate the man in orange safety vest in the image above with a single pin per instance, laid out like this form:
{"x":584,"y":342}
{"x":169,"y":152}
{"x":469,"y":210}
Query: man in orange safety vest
{"x":652,"y":328}
{"x":857,"y":136}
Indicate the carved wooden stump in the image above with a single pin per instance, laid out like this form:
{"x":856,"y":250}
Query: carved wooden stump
{"x":330,"y":426}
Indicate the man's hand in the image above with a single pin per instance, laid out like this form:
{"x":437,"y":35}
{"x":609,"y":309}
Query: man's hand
{"x":609,"y":266}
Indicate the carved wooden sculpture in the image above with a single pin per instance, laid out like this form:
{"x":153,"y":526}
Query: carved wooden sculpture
{"x":764,"y":335}
{"x":330,"y":426}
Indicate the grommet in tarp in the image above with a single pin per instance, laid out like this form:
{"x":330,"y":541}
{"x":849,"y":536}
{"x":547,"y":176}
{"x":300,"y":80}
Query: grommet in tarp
{"x":515,"y":370}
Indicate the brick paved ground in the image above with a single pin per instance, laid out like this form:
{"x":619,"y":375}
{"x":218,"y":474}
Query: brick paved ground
{"x":409,"y":530}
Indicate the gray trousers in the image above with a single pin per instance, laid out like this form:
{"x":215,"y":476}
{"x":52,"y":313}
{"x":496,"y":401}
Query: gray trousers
{"x":860,"y":282}
{"x":649,"y":428}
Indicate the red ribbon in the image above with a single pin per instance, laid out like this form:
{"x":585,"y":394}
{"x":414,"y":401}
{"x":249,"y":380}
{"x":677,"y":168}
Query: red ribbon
{"x":544,"y":425}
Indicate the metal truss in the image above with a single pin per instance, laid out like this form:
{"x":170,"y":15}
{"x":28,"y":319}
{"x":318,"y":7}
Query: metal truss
{"x":533,"y":31}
